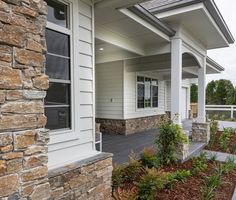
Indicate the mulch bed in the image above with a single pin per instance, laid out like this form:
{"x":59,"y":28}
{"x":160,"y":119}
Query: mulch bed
{"x":215,"y":145}
{"x":191,"y":188}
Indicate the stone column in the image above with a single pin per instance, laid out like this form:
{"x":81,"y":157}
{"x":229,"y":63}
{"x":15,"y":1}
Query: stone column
{"x":23,"y":139}
{"x":201,"y":132}
{"x":176,"y":79}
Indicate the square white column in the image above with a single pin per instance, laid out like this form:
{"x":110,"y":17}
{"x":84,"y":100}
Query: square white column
{"x":176,"y":79}
{"x":202,"y":93}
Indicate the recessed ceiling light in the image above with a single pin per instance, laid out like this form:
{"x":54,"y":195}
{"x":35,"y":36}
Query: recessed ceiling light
{"x":101,"y":49}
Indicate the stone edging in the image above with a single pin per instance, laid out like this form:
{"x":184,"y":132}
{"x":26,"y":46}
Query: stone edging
{"x":234,"y":195}
{"x":79,"y":164}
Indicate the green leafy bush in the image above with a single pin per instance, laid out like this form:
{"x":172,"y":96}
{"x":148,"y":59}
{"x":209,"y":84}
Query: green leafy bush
{"x":153,"y":180}
{"x":149,"y":158}
{"x":199,"y":164}
{"x":170,"y":136}
{"x":182,"y":175}
{"x":126,"y":173}
{"x":225,"y":137}
{"x":229,"y":165}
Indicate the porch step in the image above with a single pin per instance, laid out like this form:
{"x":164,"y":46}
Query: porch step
{"x":195,"y":149}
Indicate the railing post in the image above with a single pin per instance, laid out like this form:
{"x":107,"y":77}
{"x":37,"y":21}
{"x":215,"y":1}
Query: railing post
{"x":232,"y":112}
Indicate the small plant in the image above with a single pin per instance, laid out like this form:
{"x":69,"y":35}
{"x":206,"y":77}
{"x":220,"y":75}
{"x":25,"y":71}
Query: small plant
{"x":199,"y":164}
{"x":225,"y":137}
{"x":117,"y":177}
{"x":234,"y":148}
{"x":229,"y":165}
{"x":153,"y":180}
{"x":171,"y":135}
{"x":126,"y":194}
{"x":126,"y":173}
{"x":149,"y":158}
{"x":182,"y":175}
{"x":213,"y":129}
{"x":213,"y":157}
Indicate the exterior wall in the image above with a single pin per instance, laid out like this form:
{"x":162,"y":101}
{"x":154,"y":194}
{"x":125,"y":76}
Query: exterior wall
{"x":90,"y":179}
{"x":130,"y":105}
{"x":109,"y":90}
{"x":128,"y":126}
{"x":23,"y":139}
{"x":80,"y":139}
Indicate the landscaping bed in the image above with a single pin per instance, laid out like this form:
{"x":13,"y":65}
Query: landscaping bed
{"x":217,"y":143}
{"x":197,"y":178}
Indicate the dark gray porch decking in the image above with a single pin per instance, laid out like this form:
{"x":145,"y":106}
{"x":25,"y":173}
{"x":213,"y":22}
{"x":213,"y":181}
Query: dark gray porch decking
{"x":121,"y":146}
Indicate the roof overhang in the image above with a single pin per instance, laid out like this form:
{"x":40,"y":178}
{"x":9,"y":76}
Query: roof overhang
{"x":182,"y":11}
{"x":213,"y":67}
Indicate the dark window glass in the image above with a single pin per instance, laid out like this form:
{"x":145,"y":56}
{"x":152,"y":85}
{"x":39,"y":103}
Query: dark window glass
{"x":140,"y":96}
{"x":57,"y":117}
{"x":140,"y":79}
{"x":155,"y":102}
{"x":155,"y":91}
{"x":57,"y":13}
{"x":58,"y":93}
{"x":57,"y":43}
{"x":58,"y":68}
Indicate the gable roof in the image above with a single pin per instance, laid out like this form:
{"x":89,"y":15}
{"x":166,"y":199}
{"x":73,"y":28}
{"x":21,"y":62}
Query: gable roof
{"x":158,"y":6}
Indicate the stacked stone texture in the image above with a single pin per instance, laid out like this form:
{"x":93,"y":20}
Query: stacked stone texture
{"x":201,"y":132}
{"x":23,"y":139}
{"x":129,"y":126}
{"x":87,"y":180}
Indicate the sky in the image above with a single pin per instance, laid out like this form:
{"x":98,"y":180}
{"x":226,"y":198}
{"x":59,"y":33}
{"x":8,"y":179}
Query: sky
{"x":226,"y":57}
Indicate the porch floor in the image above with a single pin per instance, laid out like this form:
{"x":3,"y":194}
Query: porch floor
{"x":122,"y":146}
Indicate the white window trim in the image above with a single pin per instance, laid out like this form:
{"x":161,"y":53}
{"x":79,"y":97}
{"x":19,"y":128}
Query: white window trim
{"x":66,"y":135}
{"x":136,"y":95}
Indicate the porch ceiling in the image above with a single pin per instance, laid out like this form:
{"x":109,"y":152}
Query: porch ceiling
{"x":127,"y":30}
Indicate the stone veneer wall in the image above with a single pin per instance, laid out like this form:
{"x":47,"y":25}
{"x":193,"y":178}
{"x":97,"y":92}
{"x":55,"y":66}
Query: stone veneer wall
{"x":23,"y":139}
{"x":88,"y":179}
{"x":201,"y":132}
{"x":129,"y":126}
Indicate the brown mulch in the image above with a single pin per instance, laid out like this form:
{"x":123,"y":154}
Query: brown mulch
{"x":191,"y":189}
{"x":215,"y":146}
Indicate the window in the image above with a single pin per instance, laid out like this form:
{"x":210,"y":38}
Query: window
{"x":147,"y":92}
{"x":58,"y":67}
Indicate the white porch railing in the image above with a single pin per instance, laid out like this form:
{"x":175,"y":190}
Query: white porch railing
{"x":229,"y":111}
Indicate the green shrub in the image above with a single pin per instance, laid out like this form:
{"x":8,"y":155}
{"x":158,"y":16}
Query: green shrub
{"x":126,"y":173}
{"x":149,"y":158}
{"x":170,"y":136}
{"x":153,"y":180}
{"x":117,"y":177}
{"x":214,"y":126}
{"x":182,"y":175}
{"x":225,"y":137}
{"x":199,"y":164}
{"x":229,"y":165}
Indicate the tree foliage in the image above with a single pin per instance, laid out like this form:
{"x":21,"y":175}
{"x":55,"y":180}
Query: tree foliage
{"x":194,"y":93}
{"x":220,"y":92}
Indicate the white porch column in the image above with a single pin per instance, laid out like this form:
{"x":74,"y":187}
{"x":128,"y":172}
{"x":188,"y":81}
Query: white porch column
{"x":202,"y":93}
{"x":176,"y":79}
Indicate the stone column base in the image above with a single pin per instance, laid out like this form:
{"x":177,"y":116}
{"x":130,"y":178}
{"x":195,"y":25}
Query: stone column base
{"x":181,"y":152}
{"x":201,"y":132}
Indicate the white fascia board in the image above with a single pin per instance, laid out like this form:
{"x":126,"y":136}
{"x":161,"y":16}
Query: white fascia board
{"x":180,"y":10}
{"x":144,"y":23}
{"x":116,"y":3}
{"x":110,"y":37}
